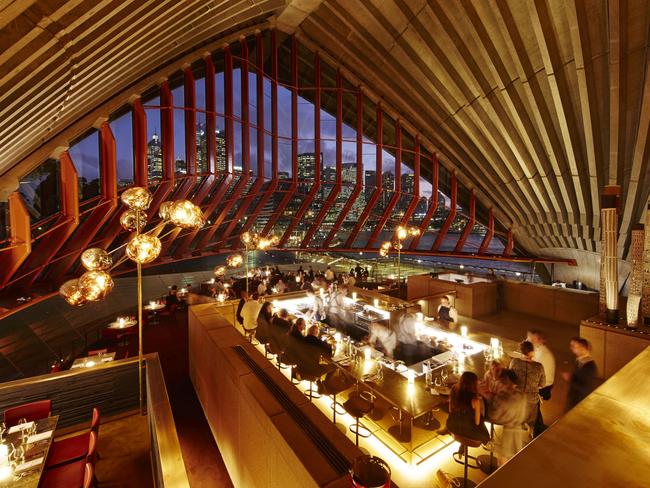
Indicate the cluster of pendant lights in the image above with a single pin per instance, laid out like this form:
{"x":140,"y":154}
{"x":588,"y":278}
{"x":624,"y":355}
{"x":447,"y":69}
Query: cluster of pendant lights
{"x":142,"y":248}
{"x":252,"y":242}
{"x":401,"y":233}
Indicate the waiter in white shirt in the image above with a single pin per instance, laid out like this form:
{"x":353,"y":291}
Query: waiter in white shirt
{"x":542,"y":354}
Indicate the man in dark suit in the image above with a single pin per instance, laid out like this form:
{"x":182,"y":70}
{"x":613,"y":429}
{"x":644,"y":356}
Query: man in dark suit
{"x":584,"y":378}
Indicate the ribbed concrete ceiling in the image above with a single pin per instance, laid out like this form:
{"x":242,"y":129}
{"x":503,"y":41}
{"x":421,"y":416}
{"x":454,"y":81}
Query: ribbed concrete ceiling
{"x":538,"y":104}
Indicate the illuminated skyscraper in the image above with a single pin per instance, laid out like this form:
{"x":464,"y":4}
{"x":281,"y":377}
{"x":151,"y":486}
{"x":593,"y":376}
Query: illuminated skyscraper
{"x":154,"y":158}
{"x":221,"y":163}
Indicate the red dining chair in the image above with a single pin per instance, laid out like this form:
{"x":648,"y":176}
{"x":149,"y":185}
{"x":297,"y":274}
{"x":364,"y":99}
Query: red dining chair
{"x":72,"y":475}
{"x":73,"y":448}
{"x":76,"y":475}
{"x":28,"y":411}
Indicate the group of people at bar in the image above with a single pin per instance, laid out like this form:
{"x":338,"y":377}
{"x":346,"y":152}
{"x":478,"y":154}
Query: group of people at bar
{"x":511,"y":397}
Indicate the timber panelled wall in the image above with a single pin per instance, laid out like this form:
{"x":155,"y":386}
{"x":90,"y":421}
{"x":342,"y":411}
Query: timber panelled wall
{"x":264,"y":136}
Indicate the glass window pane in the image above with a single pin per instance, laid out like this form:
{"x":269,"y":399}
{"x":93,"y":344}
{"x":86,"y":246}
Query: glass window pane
{"x":154,"y":139}
{"x":4,"y":221}
{"x":122,"y":128}
{"x":40,"y":190}
{"x":202,"y":157}
{"x":180,"y":158}
{"x":85,"y":157}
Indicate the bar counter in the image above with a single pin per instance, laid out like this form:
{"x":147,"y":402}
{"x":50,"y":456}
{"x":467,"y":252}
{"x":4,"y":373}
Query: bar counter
{"x":403,"y":423}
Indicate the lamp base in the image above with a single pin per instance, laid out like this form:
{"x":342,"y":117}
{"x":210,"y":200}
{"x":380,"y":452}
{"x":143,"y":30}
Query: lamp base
{"x":611,"y":316}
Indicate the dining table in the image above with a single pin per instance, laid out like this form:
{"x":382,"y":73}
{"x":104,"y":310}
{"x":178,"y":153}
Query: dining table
{"x":95,"y":360}
{"x":36,"y":445}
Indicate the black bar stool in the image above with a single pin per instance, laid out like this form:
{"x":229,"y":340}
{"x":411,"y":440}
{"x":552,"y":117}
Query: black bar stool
{"x":357,"y":405}
{"x":465,"y":444}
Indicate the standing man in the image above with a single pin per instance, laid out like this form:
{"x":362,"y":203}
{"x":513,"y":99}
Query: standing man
{"x":583,"y":380}
{"x":542,"y":354}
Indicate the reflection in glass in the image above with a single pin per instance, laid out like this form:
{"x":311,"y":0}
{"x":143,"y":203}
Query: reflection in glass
{"x":85,"y":157}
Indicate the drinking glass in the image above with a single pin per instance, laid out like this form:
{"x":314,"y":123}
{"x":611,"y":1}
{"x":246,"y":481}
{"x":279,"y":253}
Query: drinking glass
{"x":437,"y":381}
{"x":444,"y":374}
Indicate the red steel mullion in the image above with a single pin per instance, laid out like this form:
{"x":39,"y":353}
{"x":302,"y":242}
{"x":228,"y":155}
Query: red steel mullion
{"x":488,"y":234}
{"x":450,"y":216}
{"x":416,"y":185}
{"x":69,"y":220}
{"x":141,"y":170}
{"x":358,"y":186}
{"x":507,"y":251}
{"x":378,"y":181}
{"x":211,"y":127}
{"x":166,"y":186}
{"x":274,"y":137}
{"x":107,"y":204}
{"x":317,"y":174}
{"x":259,"y":180}
{"x":396,"y":190}
{"x":339,"y":164}
{"x":433,"y":204}
{"x":470,"y":224}
{"x":140,"y":144}
{"x":294,"y":141}
{"x":230,"y":164}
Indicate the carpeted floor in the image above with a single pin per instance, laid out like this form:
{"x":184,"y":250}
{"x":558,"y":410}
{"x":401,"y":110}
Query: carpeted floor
{"x":203,"y":461}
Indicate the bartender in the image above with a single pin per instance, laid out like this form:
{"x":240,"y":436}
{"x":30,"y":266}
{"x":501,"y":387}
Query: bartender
{"x":337,"y":312}
{"x":446,"y":312}
{"x":407,"y":337}
{"x":382,"y":338}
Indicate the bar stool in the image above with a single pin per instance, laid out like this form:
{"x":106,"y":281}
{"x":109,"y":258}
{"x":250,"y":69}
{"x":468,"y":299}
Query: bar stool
{"x":311,"y":376}
{"x":250,"y":335}
{"x":357,"y":405}
{"x":487,"y":463}
{"x":466,"y":443}
{"x":332,"y":385}
{"x":278,"y":352}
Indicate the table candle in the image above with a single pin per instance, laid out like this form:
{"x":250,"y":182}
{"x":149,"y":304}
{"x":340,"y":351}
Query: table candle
{"x":410,"y":375}
{"x":152,"y":303}
{"x":420,"y":316}
{"x":354,"y":295}
{"x":376,"y":302}
{"x":121,"y":321}
{"x":494,"y":343}
{"x":298,"y":279}
{"x":463,"y":330}
{"x":90,"y":364}
{"x":337,"y":336}
{"x":367,"y":353}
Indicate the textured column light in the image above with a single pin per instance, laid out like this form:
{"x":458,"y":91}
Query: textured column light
{"x":636,"y":276}
{"x":609,"y":258}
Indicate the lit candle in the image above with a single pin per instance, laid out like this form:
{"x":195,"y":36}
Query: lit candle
{"x":494,"y":343}
{"x":298,"y":279}
{"x":152,"y":304}
{"x":354,"y":295}
{"x":410,"y":376}
{"x":420,"y":316}
{"x":121,"y":321}
{"x":90,"y":364}
{"x":337,"y":337}
{"x":367,"y":353}
{"x":376,"y":302}
{"x":463,"y":330}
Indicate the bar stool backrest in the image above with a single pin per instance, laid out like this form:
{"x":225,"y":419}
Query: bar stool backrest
{"x":28,"y":411}
{"x":88,"y":475}
{"x":91,"y":457}
{"x":94,"y":424}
